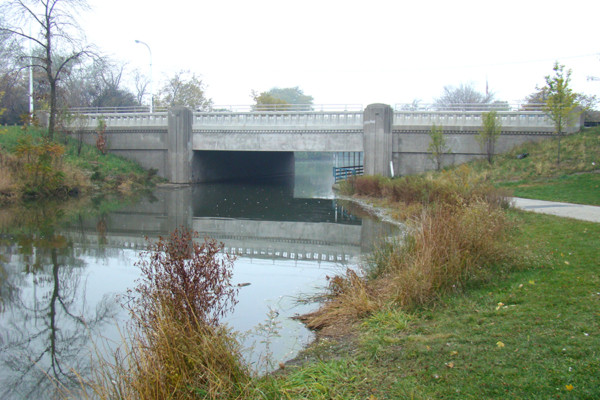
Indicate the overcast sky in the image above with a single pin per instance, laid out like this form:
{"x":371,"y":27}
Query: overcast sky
{"x":354,"y":52}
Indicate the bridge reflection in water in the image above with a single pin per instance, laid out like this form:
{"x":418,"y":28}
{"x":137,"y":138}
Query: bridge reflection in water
{"x":253,"y":221}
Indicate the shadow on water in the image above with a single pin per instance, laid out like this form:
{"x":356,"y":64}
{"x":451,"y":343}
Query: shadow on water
{"x":264,"y":200}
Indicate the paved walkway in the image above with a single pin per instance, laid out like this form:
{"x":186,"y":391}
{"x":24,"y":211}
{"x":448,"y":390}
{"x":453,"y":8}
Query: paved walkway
{"x":568,"y":210}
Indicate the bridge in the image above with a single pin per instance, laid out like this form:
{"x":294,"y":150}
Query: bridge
{"x":186,"y":146}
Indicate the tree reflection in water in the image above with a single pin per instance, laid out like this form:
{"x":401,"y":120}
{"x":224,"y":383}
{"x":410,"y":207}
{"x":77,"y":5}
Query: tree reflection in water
{"x":45,"y":323}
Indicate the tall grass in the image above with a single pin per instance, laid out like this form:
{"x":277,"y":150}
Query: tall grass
{"x":176,"y":348}
{"x":459,"y":186}
{"x":457,"y":235}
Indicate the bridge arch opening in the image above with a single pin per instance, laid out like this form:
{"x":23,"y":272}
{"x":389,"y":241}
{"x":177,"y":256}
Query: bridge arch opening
{"x":221,"y":166}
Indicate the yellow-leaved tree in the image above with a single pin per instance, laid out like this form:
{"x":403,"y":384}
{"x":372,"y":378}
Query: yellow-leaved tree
{"x":561,"y":102}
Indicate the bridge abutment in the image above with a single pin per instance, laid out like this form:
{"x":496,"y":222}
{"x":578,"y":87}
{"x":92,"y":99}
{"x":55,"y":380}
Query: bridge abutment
{"x":377,"y":139}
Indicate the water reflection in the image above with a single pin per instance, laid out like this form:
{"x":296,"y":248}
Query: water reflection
{"x":60,"y":274}
{"x":46,"y":322}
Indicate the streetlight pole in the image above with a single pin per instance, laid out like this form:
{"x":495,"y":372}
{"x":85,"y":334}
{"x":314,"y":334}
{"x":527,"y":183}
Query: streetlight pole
{"x":30,"y":75}
{"x":151,"y":91}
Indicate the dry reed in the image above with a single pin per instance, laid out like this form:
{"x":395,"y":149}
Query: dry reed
{"x":458,"y":235}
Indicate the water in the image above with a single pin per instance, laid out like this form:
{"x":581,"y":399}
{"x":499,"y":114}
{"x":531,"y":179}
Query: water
{"x":63,"y":269}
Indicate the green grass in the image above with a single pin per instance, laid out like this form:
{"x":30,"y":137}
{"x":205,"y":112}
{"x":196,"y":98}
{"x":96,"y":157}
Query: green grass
{"x":580,"y":153}
{"x":529,"y":335}
{"x":106,"y":171}
{"x":580,"y":189}
{"x":538,"y":176}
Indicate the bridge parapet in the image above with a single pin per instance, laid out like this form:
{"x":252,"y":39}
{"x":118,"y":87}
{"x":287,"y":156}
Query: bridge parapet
{"x":533,"y":120}
{"x":128,"y":120}
{"x":278,"y":120}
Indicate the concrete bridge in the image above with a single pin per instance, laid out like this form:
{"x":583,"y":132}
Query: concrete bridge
{"x":185,"y":146}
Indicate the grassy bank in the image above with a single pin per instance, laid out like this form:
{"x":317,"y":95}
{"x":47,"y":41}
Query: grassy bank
{"x":576,"y":179}
{"x":33,"y":168}
{"x":532,"y":332}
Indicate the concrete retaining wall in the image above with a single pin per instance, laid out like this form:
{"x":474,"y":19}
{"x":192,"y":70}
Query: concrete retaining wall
{"x":410,"y":154}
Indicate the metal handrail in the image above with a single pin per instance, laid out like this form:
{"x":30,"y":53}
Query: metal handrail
{"x":225,"y":108}
{"x":342,"y":173}
{"x":475,"y":107}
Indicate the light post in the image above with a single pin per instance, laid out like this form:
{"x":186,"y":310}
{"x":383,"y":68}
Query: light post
{"x":151,"y":91}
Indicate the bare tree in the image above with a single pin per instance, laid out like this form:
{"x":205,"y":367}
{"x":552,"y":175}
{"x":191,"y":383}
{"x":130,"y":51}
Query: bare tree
{"x":141,"y":83}
{"x":465,"y":95}
{"x":56,"y":38}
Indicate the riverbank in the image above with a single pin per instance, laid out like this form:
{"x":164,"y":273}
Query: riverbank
{"x":33,"y":168}
{"x":529,"y":331}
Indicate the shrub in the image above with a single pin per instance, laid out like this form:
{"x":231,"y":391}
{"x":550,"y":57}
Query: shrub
{"x":41,"y":172}
{"x":177,"y":348}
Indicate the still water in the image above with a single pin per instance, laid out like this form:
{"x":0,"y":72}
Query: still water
{"x":62,"y":271}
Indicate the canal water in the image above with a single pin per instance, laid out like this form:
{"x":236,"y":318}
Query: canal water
{"x":64,"y":267}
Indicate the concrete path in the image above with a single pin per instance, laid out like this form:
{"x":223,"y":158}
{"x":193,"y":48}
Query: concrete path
{"x":568,"y":210}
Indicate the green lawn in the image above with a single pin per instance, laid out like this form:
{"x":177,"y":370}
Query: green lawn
{"x":532,"y":334}
{"x":580,"y":189}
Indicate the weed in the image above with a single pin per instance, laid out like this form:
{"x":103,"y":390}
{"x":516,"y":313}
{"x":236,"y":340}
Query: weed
{"x":176,"y":348}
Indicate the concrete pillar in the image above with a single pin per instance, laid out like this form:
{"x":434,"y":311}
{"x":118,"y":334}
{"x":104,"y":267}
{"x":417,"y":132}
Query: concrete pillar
{"x":179,"y":145}
{"x":377,"y":139}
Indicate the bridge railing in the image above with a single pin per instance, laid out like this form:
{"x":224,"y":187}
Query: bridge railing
{"x":529,"y":119}
{"x":119,"y":120}
{"x":278,"y":119}
{"x":342,"y":173}
{"x":481,"y":107}
{"x":286,"y":107}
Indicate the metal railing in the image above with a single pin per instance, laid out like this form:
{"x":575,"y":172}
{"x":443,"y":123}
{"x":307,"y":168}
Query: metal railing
{"x":224,"y":108}
{"x":285,"y":108}
{"x":343,"y":173}
{"x":115,"y":110}
{"x":481,"y":107}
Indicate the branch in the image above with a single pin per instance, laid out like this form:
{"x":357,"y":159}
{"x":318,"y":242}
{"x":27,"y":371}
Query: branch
{"x":23,"y":35}
{"x":30,"y":12}
{"x":73,"y":56}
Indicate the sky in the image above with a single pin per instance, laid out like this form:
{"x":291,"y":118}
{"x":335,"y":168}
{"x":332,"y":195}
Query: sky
{"x":353,"y":52}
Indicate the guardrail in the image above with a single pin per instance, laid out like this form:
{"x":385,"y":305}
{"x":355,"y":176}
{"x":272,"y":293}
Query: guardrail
{"x":285,"y":107}
{"x":224,"y":108}
{"x":343,"y":173}
{"x":481,"y":107}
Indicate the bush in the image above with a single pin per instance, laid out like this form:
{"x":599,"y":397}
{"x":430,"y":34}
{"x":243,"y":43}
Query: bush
{"x":177,"y":348}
